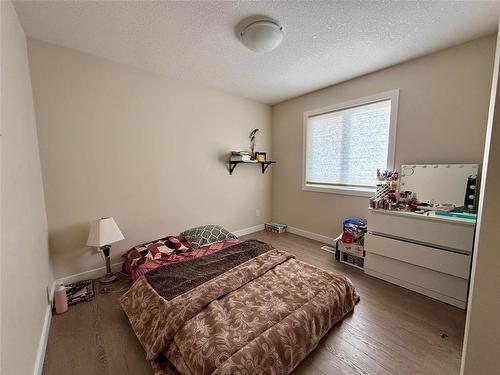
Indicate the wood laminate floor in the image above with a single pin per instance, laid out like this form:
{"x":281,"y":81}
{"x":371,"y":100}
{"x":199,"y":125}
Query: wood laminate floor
{"x":391,"y":331}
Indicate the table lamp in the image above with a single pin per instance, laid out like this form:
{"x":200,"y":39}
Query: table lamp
{"x":102,"y":233}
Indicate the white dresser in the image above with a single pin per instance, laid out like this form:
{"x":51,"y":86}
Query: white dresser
{"x":427,"y":254}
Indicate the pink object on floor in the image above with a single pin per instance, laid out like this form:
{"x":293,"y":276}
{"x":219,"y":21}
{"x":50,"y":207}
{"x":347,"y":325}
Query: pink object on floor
{"x":60,"y":299}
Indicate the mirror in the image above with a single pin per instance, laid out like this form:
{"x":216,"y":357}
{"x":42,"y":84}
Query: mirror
{"x":441,"y":183}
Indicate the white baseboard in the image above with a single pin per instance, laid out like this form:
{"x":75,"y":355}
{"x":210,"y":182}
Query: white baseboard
{"x":115,"y":267}
{"x":51,"y":293}
{"x":90,"y":274}
{"x":98,"y":272}
{"x":300,"y":232}
{"x":311,"y":235}
{"x":42,"y":344}
{"x":243,"y":232}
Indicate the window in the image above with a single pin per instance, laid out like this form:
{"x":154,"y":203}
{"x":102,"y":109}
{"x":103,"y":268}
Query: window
{"x":345,"y":144}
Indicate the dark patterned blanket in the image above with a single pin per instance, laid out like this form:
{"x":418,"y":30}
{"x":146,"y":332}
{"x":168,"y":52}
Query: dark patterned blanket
{"x":172,"y":280}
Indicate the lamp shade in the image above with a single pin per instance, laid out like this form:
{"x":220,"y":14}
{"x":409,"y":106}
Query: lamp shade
{"x":104,"y":232}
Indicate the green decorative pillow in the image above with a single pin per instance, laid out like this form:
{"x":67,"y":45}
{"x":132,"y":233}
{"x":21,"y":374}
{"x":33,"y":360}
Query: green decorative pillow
{"x":205,"y":235}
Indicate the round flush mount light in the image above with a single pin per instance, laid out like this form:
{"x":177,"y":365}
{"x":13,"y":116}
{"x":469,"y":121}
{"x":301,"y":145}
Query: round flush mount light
{"x":262,"y":35}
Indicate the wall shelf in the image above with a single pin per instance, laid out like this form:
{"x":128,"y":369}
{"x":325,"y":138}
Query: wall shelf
{"x":264,"y":164}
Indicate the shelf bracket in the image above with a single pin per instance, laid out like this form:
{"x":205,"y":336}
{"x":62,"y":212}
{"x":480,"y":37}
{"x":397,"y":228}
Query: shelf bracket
{"x":265,"y":166}
{"x":231,"y":167}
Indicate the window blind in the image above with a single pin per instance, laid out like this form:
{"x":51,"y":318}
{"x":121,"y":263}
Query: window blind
{"x":347,"y":146}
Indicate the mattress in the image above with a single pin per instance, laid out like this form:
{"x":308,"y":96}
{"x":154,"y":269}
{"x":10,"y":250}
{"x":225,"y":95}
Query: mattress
{"x":260,"y":311}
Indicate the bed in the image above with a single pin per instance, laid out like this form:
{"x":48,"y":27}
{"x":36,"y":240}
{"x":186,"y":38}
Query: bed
{"x":136,"y":267}
{"x":245,"y":308}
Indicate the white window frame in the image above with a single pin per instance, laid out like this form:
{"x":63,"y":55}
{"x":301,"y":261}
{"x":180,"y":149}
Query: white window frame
{"x":393,"y":95}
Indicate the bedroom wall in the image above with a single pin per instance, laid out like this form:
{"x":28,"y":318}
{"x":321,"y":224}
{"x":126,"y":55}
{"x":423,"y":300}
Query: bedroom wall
{"x":482,"y":330}
{"x":24,"y":241}
{"x":443,"y":96}
{"x":148,"y":150}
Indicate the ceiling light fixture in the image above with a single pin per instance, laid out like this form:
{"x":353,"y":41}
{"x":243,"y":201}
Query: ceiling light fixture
{"x":262,"y":35}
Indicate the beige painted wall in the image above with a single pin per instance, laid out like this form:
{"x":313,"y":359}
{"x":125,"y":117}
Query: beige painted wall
{"x":482,"y":338}
{"x":25,"y":261}
{"x":148,"y":150}
{"x":443,"y":96}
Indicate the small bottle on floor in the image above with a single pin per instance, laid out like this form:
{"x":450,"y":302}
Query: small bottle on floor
{"x":60,"y":299}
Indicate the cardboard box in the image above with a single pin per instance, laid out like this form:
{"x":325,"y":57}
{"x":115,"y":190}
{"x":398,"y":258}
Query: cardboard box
{"x":271,"y":227}
{"x":352,"y":248}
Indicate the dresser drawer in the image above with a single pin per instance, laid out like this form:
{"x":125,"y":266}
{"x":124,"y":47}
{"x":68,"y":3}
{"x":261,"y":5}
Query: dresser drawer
{"x":435,"y":259}
{"x":446,"y":288}
{"x":448,"y":235}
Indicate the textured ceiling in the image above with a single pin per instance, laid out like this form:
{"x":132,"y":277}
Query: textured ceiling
{"x":325,"y":42}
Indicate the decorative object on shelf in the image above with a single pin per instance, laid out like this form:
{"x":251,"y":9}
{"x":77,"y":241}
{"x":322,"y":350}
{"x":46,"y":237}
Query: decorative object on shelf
{"x":252,"y":137}
{"x":275,"y":227}
{"x":102,"y":233}
{"x":260,"y":156}
{"x":249,"y":157}
{"x":240,"y":156}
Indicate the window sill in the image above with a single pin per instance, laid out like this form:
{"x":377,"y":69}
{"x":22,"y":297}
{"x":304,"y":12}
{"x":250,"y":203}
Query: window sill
{"x":344,"y":190}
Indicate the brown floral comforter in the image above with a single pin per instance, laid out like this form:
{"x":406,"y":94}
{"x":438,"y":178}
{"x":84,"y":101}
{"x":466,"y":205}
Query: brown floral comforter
{"x":261,"y":317}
